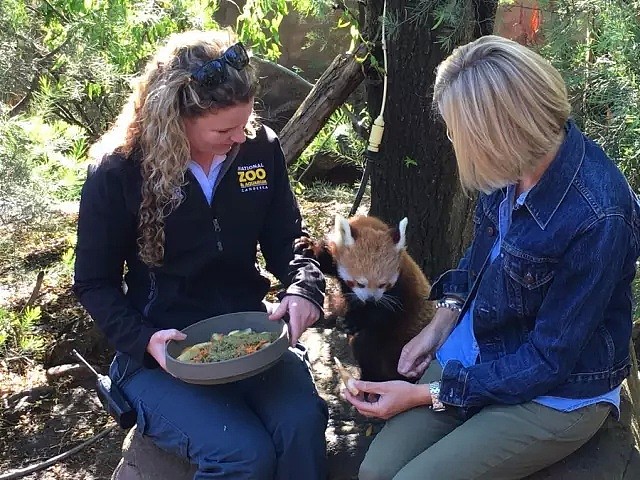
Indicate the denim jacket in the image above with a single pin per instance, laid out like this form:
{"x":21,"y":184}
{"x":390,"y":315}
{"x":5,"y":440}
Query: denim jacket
{"x":553,"y":311}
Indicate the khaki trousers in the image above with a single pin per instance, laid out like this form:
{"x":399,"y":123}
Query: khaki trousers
{"x":500,"y":442}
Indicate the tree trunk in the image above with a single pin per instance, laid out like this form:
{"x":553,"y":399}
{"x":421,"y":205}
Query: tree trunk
{"x":416,"y":174}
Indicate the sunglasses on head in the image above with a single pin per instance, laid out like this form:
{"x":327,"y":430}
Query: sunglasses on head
{"x":214,"y":71}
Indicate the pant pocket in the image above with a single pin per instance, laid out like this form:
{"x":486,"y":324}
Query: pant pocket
{"x":161,"y":431}
{"x":122,"y":369}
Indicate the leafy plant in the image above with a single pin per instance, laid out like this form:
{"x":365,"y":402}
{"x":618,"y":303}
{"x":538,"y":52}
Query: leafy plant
{"x":17,"y":331}
{"x":596,"y":45}
{"x":22,"y":199}
{"x":41,"y":163}
{"x":410,"y":162}
{"x":260,"y":20}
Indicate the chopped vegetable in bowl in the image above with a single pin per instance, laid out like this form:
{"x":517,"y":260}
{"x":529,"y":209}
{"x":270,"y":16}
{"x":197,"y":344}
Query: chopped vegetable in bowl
{"x":234,"y":344}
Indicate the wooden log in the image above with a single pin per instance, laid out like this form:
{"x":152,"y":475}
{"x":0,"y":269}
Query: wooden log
{"x":73,"y":370}
{"x":330,"y":91}
{"x":280,"y":94}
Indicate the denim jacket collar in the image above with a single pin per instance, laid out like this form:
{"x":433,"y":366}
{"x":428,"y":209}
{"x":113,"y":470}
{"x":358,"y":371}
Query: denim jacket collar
{"x":545,"y":197}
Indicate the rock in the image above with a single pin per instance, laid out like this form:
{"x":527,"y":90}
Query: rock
{"x":142,"y":460}
{"x":610,"y":454}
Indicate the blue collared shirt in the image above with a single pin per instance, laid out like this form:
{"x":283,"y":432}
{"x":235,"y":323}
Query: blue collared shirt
{"x":462,"y":346}
{"x":207,"y":181}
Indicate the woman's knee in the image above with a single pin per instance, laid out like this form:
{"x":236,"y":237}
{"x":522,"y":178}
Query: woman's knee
{"x":249,"y":455}
{"x":372,"y":469}
{"x":305,"y":419}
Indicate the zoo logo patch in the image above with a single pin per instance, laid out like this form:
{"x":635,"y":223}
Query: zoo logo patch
{"x":252,"y":177}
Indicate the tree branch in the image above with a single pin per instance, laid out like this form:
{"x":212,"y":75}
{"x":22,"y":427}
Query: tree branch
{"x":331,"y":90}
{"x":39,"y":63}
{"x":56,"y":11}
{"x":22,"y":105}
{"x":68,"y":117}
{"x":23,"y":472}
{"x":85,"y":118}
{"x":36,"y":290}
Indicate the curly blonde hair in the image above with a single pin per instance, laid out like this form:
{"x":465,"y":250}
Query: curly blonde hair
{"x":150,"y":130}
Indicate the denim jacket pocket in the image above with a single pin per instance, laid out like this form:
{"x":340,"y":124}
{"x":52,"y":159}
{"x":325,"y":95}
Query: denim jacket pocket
{"x":527,"y":282}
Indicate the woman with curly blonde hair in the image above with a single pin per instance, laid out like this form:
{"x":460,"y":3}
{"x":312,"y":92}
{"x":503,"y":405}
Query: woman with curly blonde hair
{"x":185,"y":188}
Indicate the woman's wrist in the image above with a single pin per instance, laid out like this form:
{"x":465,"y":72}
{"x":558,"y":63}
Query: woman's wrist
{"x":422,"y":395}
{"x":444,"y":321}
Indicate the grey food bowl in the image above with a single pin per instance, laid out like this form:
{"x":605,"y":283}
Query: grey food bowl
{"x":229,"y":370}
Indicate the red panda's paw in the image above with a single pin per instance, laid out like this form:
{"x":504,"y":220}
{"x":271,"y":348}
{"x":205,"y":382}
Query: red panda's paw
{"x":304,"y":246}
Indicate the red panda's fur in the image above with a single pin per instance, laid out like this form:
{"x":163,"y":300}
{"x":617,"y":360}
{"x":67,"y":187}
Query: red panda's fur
{"x":365,"y":251}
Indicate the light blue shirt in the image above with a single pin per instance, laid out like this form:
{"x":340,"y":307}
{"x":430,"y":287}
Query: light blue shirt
{"x":462,"y":346}
{"x":207,"y":181}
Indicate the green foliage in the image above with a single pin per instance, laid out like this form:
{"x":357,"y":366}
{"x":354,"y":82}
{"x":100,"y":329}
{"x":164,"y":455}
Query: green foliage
{"x":17,"y":331}
{"x":596,"y":46}
{"x":337,"y":139}
{"x":264,"y":34}
{"x":64,"y":81}
{"x":76,"y":56}
{"x":410,"y":162}
{"x":21,"y":199}
{"x":66,"y":77}
{"x":40,"y":163}
{"x":259,"y":23}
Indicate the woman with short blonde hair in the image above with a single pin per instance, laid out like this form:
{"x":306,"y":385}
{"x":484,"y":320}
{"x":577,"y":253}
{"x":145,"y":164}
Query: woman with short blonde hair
{"x":507,"y":106}
{"x":524,"y":358}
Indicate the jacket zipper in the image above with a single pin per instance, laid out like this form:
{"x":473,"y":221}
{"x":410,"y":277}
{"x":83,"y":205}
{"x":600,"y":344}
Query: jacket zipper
{"x":217,"y":229}
{"x":153,"y":294}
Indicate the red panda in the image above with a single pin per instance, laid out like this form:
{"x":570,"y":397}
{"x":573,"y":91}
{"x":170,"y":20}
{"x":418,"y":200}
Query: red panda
{"x":383,"y":293}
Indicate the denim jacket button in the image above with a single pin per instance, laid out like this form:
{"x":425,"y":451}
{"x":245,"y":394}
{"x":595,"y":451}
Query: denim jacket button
{"x":491,"y":231}
{"x":473,"y":273}
{"x":528,"y":278}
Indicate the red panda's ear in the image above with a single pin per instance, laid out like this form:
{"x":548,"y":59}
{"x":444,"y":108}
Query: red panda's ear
{"x":398,"y":235}
{"x":343,"y":234}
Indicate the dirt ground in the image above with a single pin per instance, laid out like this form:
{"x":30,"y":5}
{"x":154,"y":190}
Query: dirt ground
{"x":41,"y":418}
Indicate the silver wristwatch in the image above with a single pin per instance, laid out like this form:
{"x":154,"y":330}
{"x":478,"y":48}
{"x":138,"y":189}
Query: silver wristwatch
{"x":452,"y":304}
{"x":436,"y":404}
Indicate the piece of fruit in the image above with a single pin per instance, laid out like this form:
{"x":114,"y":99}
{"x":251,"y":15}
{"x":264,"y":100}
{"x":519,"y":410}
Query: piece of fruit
{"x":346,"y":377}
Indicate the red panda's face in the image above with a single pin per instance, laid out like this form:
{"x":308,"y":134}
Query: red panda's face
{"x":368,"y":259}
{"x":368,"y":285}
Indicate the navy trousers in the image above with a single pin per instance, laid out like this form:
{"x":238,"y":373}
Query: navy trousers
{"x":270,"y":426}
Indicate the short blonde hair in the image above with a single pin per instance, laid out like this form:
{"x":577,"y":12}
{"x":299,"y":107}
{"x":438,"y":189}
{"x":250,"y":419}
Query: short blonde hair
{"x":505,"y":108}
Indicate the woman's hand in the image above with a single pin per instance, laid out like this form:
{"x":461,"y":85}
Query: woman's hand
{"x":302,"y":314}
{"x":394,"y":397}
{"x":421,"y":349}
{"x":156,"y":344}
